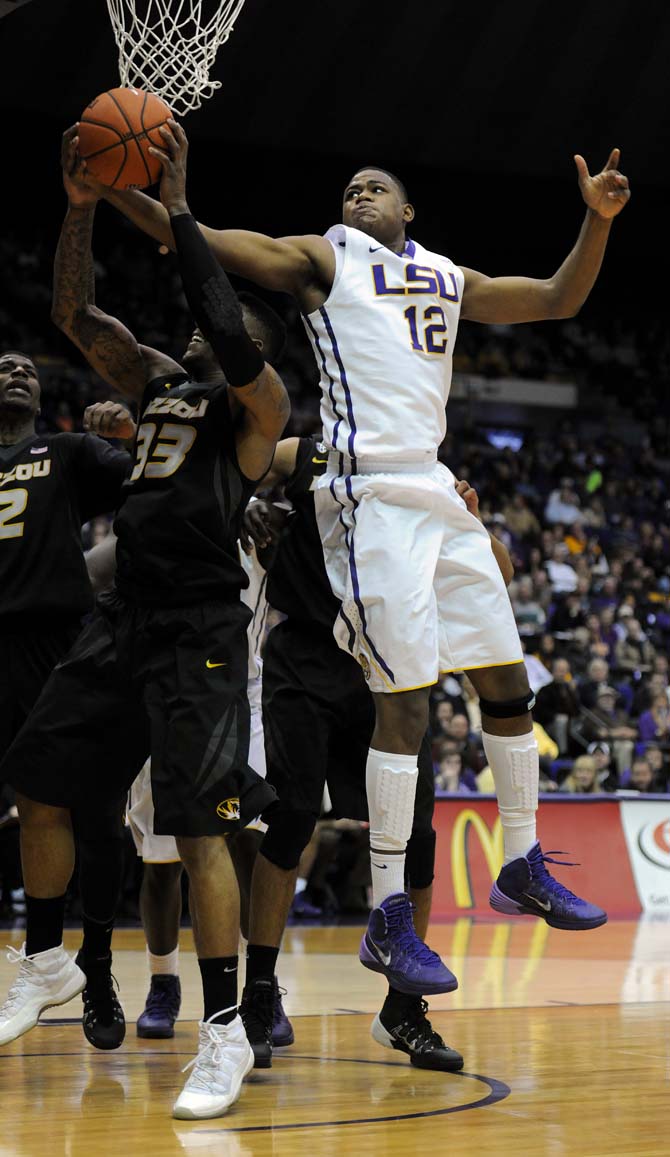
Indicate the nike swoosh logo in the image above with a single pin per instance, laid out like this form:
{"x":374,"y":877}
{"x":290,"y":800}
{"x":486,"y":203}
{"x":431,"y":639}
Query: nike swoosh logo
{"x":230,"y":969}
{"x":385,"y":957}
{"x":210,"y":664}
{"x":546,"y":904}
{"x":320,"y":461}
{"x":382,"y":866}
{"x":377,"y":248}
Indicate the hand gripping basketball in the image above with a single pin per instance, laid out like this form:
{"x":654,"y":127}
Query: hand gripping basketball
{"x":80,"y":189}
{"x":172,"y":158}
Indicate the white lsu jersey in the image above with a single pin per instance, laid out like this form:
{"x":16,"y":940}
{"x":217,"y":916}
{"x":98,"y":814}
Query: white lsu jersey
{"x":383,"y":342}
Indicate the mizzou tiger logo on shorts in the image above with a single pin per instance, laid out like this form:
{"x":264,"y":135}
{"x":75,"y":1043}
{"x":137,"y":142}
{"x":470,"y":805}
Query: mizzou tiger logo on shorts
{"x":364,"y":665}
{"x":229,"y":809}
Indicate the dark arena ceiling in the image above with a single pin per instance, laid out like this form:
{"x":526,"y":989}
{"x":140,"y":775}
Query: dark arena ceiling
{"x":478,"y":106}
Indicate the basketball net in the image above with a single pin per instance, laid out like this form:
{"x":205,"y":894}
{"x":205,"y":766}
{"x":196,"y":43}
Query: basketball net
{"x":169,"y":46}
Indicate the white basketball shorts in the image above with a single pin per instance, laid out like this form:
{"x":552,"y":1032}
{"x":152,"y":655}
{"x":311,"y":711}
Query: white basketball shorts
{"x":163,"y":849}
{"x":420,"y":588}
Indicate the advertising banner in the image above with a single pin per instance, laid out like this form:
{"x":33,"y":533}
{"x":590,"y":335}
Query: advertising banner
{"x":588,"y":832}
{"x":646,"y":825}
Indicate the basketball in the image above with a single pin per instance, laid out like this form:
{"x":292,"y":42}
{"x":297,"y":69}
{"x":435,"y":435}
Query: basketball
{"x":116,"y":131}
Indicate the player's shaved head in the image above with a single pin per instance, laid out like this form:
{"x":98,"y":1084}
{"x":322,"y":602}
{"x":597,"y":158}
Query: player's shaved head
{"x":17,"y":354}
{"x":264,"y":325}
{"x":400,"y":185}
{"x":375,"y":202}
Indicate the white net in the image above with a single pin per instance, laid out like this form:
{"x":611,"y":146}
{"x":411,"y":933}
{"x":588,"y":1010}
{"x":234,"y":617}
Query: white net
{"x":169,"y":46}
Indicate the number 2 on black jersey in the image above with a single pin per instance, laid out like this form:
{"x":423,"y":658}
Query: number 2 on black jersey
{"x":12,"y":503}
{"x":159,"y":457}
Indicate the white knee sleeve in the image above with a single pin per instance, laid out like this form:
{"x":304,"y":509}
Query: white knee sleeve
{"x":391,"y":786}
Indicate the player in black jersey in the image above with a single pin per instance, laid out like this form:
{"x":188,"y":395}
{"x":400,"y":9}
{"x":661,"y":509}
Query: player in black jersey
{"x":318,"y":717}
{"x":49,"y":485}
{"x":161,"y":669}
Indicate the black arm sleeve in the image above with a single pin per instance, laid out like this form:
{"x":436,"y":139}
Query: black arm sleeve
{"x":214,"y":304}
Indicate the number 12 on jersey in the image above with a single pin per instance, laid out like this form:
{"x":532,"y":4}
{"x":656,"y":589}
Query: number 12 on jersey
{"x":433,"y":339}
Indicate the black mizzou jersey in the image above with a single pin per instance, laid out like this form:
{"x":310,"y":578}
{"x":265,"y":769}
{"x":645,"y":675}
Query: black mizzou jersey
{"x":184,"y":499}
{"x":49,"y":485}
{"x":297,"y":581}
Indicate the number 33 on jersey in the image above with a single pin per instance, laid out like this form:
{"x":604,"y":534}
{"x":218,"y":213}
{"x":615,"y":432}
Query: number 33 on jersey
{"x":383,"y":341}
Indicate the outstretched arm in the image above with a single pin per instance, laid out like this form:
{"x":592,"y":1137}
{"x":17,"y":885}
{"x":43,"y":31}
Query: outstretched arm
{"x":285,"y":264}
{"x":105,"y":342}
{"x":505,"y":300}
{"x":218,"y":313}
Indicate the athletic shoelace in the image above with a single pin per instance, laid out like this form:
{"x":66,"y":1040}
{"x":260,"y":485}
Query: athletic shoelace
{"x":211,"y":1056}
{"x":537,"y":859}
{"x":101,"y":1004}
{"x":278,"y":1013}
{"x":415,"y":1029}
{"x":26,"y":974}
{"x":258,"y":1010}
{"x":401,"y":927}
{"x":163,"y":998}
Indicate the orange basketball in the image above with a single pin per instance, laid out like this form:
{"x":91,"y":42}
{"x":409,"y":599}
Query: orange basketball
{"x":115,"y":133}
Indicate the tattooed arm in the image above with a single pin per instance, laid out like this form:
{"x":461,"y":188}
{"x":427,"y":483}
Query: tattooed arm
{"x":105,"y":342}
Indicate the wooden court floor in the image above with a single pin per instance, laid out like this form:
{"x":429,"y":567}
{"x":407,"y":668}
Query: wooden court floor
{"x":566,"y":1039}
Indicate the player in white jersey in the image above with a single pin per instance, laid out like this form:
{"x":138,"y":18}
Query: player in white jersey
{"x":413,"y":570}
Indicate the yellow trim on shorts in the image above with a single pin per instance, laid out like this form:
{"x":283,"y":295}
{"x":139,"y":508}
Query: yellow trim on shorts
{"x":177,"y":861}
{"x":418,"y":687}
{"x":480,"y":667}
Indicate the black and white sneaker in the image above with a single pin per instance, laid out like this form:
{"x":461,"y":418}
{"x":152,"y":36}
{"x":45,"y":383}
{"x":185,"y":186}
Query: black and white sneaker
{"x":411,"y":1032}
{"x":102,"y":1020}
{"x":257,"y":1009}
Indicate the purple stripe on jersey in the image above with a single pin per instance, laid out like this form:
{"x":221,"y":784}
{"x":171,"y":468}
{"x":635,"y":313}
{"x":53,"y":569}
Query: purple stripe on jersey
{"x":410,"y":248}
{"x":350,"y":627}
{"x":331,"y":380}
{"x":343,"y":378}
{"x":354,"y":579}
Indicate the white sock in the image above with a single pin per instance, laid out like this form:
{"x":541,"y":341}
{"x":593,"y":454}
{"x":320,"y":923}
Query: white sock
{"x":391,"y":786}
{"x":164,"y":965}
{"x":300,"y":885}
{"x":514,"y":761}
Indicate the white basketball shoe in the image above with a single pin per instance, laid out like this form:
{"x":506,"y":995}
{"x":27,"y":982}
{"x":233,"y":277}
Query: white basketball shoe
{"x":223,"y":1061}
{"x":45,"y":979}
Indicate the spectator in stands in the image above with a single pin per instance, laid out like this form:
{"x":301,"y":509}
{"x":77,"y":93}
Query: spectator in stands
{"x":634,"y":652}
{"x":451,"y":775}
{"x":658,"y":760}
{"x":521,"y":521}
{"x":557,"y":704}
{"x":563,"y":504}
{"x":529,"y":615}
{"x":654,"y":724}
{"x":583,"y":779}
{"x":608,"y":778}
{"x":467,"y":745}
{"x":562,"y":576}
{"x":648,"y":690}
{"x":641,"y":776}
{"x":597,"y":645}
{"x":567,"y":615}
{"x":610,"y":723}
{"x":597,"y":676}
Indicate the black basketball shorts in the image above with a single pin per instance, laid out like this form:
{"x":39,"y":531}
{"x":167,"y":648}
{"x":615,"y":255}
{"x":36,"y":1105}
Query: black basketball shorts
{"x":170,"y":683}
{"x":318,"y":717}
{"x":26,"y":661}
